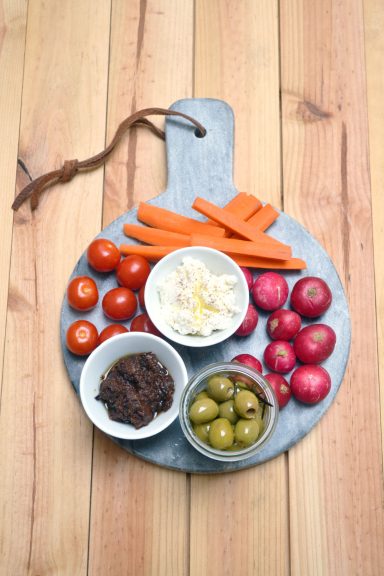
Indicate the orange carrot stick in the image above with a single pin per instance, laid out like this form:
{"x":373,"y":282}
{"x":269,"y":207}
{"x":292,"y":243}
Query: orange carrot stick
{"x":267,"y":263}
{"x":151,"y":253}
{"x":156,"y":236}
{"x":243,"y":205}
{"x":231,"y":222}
{"x":168,"y":220}
{"x":261,"y":247}
{"x":156,"y":253}
{"x":263,"y":217}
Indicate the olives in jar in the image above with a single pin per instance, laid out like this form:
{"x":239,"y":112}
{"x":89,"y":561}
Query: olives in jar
{"x":221,"y":434}
{"x":246,"y":404}
{"x":246,"y":432}
{"x":227,"y":410}
{"x":220,"y":388}
{"x":203,"y":410}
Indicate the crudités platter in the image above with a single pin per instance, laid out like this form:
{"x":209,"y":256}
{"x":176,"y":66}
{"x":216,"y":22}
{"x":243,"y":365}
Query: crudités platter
{"x":203,"y":167}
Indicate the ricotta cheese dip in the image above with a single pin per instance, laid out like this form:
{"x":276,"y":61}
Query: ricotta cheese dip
{"x":195,"y":301}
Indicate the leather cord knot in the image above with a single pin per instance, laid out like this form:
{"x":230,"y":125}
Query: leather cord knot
{"x":71,"y":167}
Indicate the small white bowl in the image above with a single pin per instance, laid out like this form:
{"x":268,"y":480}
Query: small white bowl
{"x":217,"y":263}
{"x":109,"y":352}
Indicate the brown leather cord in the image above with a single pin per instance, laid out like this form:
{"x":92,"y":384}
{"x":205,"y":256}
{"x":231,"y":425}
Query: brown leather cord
{"x":71,"y":167}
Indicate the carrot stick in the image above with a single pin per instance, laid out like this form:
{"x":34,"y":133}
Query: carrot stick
{"x":156,"y":236}
{"x":243,"y":205}
{"x":261,"y":247}
{"x":263,"y":217}
{"x":151,"y":253}
{"x":156,"y":253}
{"x":231,"y":222}
{"x":168,"y":220}
{"x":255,"y":262}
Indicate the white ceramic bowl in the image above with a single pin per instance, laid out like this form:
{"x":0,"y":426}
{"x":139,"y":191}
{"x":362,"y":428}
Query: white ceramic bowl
{"x":109,"y":352}
{"x":217,"y":263}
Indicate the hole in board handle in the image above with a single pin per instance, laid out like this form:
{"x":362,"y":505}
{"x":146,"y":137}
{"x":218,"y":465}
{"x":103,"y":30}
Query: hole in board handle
{"x":199,"y":134}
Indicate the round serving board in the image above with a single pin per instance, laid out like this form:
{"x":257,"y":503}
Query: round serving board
{"x":203,"y":167}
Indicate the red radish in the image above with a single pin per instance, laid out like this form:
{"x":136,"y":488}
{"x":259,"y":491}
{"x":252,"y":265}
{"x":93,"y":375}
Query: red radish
{"x":249,"y":360}
{"x":249,"y":323}
{"x":314,"y":343}
{"x":279,"y":356}
{"x":311,"y":296}
{"x":283,"y":324}
{"x":280,"y":387}
{"x":270,"y":291}
{"x":248,"y":276}
{"x":310,"y":383}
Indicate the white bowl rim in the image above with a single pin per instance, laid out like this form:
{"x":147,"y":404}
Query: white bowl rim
{"x":194,"y":341}
{"x":131,"y":433}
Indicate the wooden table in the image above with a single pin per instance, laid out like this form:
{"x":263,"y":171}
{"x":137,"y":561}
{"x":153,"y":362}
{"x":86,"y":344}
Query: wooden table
{"x":305,"y":80}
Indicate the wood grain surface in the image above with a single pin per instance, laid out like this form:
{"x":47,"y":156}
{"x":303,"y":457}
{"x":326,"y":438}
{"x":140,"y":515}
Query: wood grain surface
{"x":305,"y":80}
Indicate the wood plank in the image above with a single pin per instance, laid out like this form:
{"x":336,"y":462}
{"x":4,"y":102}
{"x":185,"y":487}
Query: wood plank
{"x":13,"y":19}
{"x":374,"y":50}
{"x":141,"y":522}
{"x":45,"y":437}
{"x":237,"y":59}
{"x":336,"y":494}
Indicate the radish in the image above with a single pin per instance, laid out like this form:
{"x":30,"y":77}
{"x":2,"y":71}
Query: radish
{"x":283,"y":324}
{"x":314,"y":343}
{"x":310,"y":383}
{"x":279,"y":356}
{"x":270,"y":291}
{"x":280,"y":387}
{"x":249,"y":323}
{"x":249,"y":360}
{"x":248,"y":276}
{"x":311,"y":296}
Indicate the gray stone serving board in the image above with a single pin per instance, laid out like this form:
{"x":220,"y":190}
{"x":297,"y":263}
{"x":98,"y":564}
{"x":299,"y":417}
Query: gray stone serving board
{"x":203,"y":167}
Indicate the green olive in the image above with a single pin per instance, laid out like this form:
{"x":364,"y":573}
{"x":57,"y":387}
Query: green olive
{"x":241,"y":384}
{"x":203,"y":411}
{"x":220,"y":388}
{"x":221,"y":434}
{"x":246,"y":432}
{"x":202,"y":394}
{"x":202,"y":431}
{"x":246,"y":404}
{"x":227,"y":410}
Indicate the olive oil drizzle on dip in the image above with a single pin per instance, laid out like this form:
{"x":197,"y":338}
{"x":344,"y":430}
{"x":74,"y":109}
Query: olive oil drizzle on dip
{"x":136,"y":388}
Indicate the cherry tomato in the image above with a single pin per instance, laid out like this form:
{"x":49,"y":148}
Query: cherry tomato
{"x":82,"y":293}
{"x":119,"y":304}
{"x":111,"y":330}
{"x":143,"y":323}
{"x":132,"y":272}
{"x":103,"y":255}
{"x":82,"y":337}
{"x":141,"y":297}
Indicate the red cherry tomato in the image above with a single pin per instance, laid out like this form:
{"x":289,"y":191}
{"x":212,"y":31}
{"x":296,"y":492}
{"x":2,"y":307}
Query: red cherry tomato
{"x":119,"y":304}
{"x":82,"y":337}
{"x":111,"y":330}
{"x":143,"y":323}
{"x":82,"y":293}
{"x":103,"y":255}
{"x":132,"y":272}
{"x":141,"y":297}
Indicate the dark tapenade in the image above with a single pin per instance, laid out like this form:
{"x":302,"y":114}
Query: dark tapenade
{"x":136,"y":389}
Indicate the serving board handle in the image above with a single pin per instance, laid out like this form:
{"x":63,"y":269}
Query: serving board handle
{"x":200,"y":166}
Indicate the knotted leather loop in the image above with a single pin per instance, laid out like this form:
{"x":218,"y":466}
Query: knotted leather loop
{"x":71,"y":167}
